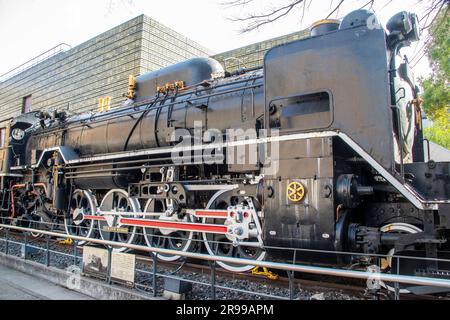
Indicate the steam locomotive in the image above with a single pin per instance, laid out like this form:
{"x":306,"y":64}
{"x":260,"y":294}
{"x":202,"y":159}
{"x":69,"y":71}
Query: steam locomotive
{"x":321,"y":150}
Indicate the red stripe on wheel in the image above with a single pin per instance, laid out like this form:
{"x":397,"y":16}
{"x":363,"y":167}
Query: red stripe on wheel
{"x":94,"y":218}
{"x":221,"y":214}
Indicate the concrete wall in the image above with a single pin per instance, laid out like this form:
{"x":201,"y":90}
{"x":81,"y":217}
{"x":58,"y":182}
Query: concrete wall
{"x":252,"y":55}
{"x":162,"y":46}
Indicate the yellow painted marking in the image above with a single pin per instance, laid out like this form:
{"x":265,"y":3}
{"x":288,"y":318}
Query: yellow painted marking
{"x":66,"y":241}
{"x":295,"y":191}
{"x":265,"y":272}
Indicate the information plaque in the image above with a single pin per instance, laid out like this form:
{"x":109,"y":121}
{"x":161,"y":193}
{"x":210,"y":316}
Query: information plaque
{"x":95,"y":262}
{"x":122,"y":267}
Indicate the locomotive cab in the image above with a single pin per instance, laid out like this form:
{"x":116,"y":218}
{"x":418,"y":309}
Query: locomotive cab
{"x":339,"y":92}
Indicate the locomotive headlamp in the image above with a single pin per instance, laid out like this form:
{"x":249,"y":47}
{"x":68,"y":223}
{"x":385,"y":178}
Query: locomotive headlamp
{"x":18,"y":134}
{"x":404,"y":26}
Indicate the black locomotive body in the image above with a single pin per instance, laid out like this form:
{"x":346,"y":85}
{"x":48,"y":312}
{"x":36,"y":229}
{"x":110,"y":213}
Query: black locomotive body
{"x":332,"y":122}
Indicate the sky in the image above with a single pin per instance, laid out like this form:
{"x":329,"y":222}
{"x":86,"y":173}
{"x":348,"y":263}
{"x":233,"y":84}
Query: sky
{"x":30,"y":27}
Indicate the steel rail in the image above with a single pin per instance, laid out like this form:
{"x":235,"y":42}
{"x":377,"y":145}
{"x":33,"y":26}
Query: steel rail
{"x":423,"y":281}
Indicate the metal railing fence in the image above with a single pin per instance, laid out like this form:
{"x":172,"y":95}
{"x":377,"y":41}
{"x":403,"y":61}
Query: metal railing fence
{"x":290,"y":268}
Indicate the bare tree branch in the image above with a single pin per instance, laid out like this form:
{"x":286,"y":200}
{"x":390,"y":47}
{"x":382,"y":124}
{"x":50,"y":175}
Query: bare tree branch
{"x":433,"y":12}
{"x":303,"y":12}
{"x":235,"y":3}
{"x":257,"y":20}
{"x":254,"y":21}
{"x":271,"y":13}
{"x":335,"y":9}
{"x":369,"y":4}
{"x":112,"y":5}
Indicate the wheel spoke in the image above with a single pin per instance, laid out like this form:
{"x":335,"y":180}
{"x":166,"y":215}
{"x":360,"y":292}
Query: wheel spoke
{"x":119,"y":201}
{"x":82,"y":202}
{"x":221,"y":244}
{"x":180,"y":241}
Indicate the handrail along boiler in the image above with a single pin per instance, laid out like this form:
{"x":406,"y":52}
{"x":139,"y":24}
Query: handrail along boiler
{"x":351,"y":170}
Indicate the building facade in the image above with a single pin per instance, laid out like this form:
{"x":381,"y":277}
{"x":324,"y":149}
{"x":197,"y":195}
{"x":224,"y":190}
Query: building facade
{"x":76,"y":78}
{"x":252,"y":56}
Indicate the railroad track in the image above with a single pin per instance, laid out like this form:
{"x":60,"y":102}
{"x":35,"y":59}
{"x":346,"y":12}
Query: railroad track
{"x":356,"y":289}
{"x":281,"y":281}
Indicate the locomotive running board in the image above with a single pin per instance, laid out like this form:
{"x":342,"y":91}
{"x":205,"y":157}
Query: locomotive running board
{"x":406,"y":190}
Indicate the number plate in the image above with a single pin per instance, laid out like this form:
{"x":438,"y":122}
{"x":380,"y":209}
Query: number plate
{"x":115,"y":229}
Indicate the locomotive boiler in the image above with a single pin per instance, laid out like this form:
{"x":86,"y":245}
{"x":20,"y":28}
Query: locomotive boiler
{"x":321,"y":150}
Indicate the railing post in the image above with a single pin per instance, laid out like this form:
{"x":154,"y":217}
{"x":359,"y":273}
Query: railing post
{"x":75,"y":244}
{"x":397,"y":287}
{"x":108,"y":279}
{"x":291,"y":284}
{"x":291,"y":278}
{"x":25,"y":246}
{"x":47,"y":252}
{"x":7,"y":242}
{"x":213,"y":280}
{"x":155,"y":261}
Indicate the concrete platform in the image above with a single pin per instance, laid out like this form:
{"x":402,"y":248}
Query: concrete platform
{"x":24,"y":279}
{"x":16,"y":285}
